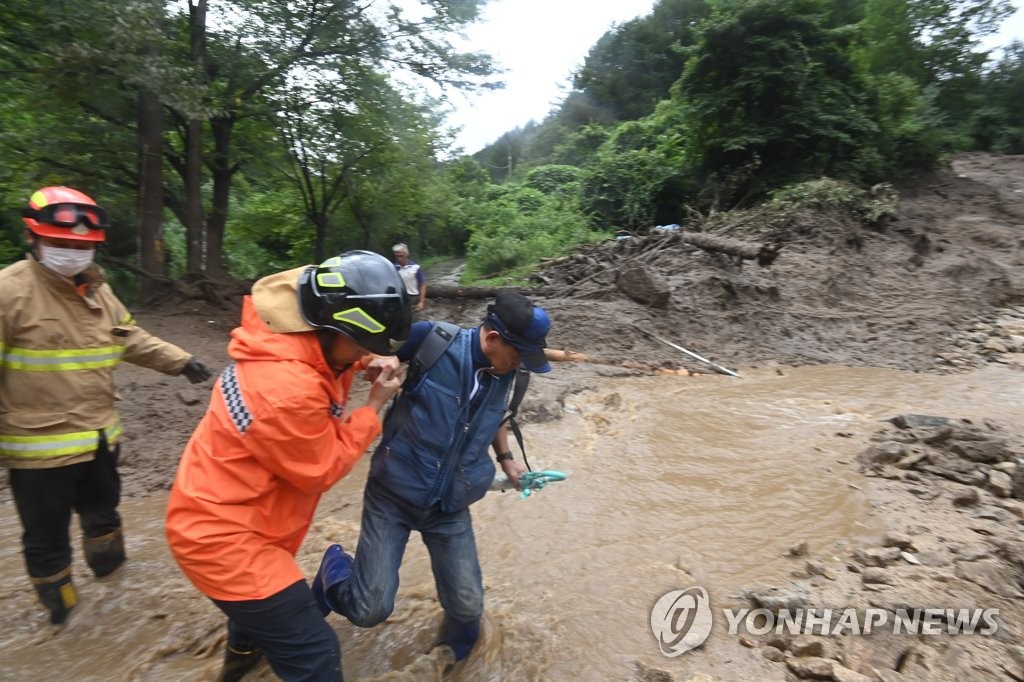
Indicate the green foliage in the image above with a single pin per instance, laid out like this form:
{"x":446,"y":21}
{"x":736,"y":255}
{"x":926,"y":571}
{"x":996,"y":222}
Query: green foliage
{"x":519,"y":226}
{"x":828,"y":194}
{"x":560,"y":180}
{"x":999,"y":125}
{"x":631,"y":68}
{"x":770,"y":87}
{"x":909,"y":133}
{"x":266,"y":232}
{"x":625,"y":182}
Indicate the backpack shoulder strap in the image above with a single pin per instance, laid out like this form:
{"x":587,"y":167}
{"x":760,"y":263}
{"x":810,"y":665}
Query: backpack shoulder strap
{"x":521,"y":383}
{"x":440,"y":336}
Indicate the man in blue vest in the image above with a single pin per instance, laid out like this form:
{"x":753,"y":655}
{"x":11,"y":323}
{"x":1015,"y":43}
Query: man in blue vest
{"x":431,"y":464}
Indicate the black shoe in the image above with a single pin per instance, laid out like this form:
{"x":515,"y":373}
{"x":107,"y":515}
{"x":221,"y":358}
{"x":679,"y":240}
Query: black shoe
{"x":238,"y":663}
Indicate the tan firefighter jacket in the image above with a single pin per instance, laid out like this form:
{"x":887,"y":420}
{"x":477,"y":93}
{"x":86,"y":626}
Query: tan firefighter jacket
{"x":58,"y":352}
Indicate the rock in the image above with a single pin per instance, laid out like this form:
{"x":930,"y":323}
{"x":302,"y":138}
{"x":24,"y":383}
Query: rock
{"x":912,"y":421}
{"x":1018,"y":482}
{"x":900,"y":540}
{"x":643,"y":285}
{"x":883,"y":453}
{"x":950,"y":466}
{"x":810,"y":668}
{"x":808,"y":647}
{"x":994,"y":345}
{"x":985,"y":452}
{"x":966,"y":497}
{"x":818,"y":568}
{"x":775,"y":599}
{"x":773,"y":654}
{"x":646,"y":673}
{"x":190,"y":396}
{"x":876,"y":556}
{"x":876,"y":576}
{"x":994,"y":577}
{"x":991,"y":514}
{"x":1012,"y":506}
{"x":843,"y":674}
{"x":1017,"y":654}
{"x":912,"y":460}
{"x":797,"y":550}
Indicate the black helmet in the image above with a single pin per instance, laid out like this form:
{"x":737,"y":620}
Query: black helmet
{"x":360,"y":295}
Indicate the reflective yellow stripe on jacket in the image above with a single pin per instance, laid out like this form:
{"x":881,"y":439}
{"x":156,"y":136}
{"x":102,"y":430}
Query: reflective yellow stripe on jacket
{"x":57,"y":445}
{"x":62,"y":360}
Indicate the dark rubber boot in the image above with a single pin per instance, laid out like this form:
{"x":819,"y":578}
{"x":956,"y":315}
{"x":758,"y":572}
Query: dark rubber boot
{"x":57,"y":593}
{"x":105,"y":553}
{"x":460,"y":635}
{"x":238,"y":663}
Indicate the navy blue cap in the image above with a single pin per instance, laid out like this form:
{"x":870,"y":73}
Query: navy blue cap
{"x":524,"y":326}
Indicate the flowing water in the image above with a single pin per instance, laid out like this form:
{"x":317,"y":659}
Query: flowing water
{"x":673,"y":482}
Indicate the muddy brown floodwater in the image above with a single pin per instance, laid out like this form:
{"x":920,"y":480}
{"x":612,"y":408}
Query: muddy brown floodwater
{"x":672,"y":482}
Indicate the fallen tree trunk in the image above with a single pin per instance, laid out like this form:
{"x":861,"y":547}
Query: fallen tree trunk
{"x":457,"y":291}
{"x":764,"y":254}
{"x":207,"y":289}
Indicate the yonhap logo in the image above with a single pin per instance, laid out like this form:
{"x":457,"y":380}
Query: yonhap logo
{"x":681,"y":620}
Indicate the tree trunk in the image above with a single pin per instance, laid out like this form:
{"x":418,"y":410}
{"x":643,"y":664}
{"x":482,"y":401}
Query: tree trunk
{"x":151,"y":199}
{"x":456,"y":291}
{"x":319,"y":220}
{"x":223,"y":174}
{"x":764,"y":254}
{"x":194,"y":223}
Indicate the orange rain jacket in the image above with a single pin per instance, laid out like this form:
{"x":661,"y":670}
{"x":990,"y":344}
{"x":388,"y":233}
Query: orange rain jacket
{"x":272,"y":441}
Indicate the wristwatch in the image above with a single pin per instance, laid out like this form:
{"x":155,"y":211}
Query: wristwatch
{"x":503,"y":456}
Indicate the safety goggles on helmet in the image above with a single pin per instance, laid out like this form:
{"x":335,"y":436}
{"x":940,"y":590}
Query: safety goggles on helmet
{"x":66,"y":214}
{"x":360,"y":295}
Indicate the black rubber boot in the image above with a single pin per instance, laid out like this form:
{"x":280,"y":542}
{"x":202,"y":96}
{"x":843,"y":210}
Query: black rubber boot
{"x":238,"y":663}
{"x":104,"y":553}
{"x":58,"y":594}
{"x":461,"y":635}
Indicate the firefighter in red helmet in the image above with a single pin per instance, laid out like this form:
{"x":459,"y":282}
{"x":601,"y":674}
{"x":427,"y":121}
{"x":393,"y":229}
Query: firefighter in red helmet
{"x":62,"y":333}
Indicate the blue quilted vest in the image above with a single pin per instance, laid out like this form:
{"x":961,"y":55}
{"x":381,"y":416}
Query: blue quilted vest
{"x":434,"y":449}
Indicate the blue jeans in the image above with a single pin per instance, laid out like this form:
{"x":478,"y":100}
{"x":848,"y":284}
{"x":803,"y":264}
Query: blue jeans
{"x":369,"y":596}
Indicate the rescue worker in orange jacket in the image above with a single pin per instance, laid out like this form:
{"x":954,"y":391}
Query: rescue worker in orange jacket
{"x":274,"y":438}
{"x":63,"y":331}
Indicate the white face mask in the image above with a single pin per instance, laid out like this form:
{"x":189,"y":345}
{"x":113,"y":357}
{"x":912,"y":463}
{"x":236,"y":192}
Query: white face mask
{"x":67,"y":262}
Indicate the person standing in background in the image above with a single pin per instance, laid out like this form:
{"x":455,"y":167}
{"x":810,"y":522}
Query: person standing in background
{"x":411,"y":274}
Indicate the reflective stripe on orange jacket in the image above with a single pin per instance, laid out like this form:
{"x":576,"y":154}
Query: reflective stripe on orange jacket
{"x":272,"y":441}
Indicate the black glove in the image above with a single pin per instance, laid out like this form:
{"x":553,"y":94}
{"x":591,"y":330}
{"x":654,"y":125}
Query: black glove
{"x":195,"y":371}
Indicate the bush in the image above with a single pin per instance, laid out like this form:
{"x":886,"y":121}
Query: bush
{"x":519,"y":227}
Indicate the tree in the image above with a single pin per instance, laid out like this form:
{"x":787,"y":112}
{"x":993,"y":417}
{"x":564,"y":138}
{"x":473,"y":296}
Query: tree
{"x":933,"y":42}
{"x":771,"y":97}
{"x":631,"y":67}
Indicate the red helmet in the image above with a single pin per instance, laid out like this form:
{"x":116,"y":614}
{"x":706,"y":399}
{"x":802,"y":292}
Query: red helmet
{"x":65,"y":213}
